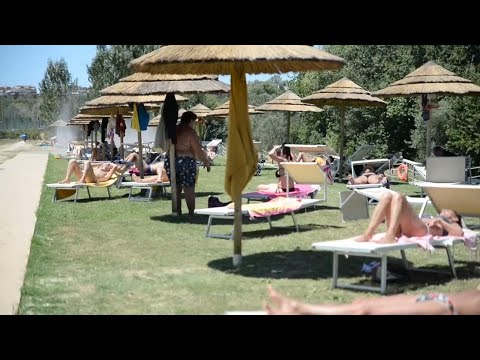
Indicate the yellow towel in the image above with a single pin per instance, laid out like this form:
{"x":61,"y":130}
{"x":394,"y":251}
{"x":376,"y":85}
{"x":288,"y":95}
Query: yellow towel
{"x":241,"y":154}
{"x":65,"y":193}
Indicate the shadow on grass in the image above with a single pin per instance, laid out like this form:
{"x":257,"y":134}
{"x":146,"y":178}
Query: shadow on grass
{"x":316,"y":265}
{"x":297,"y":264}
{"x":92,"y":199}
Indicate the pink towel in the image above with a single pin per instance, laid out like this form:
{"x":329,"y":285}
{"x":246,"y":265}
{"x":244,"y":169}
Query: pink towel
{"x":469,"y":239}
{"x":301,"y":191}
{"x":276,"y":206}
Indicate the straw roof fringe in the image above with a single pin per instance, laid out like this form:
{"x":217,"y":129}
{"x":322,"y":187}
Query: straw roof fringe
{"x":144,"y":77}
{"x":288,"y":101}
{"x":224,"y":109}
{"x":106,"y":110}
{"x":58,"y":123}
{"x":220,"y":59}
{"x":200,"y":110}
{"x":125,"y":100}
{"x":430,"y":78}
{"x":164,"y":87}
{"x":344,"y":93}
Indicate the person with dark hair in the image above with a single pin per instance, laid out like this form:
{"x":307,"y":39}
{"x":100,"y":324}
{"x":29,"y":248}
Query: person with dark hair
{"x":282,"y":185}
{"x":402,"y":220}
{"x":439,"y":151}
{"x":187,"y":150}
{"x":459,"y":303}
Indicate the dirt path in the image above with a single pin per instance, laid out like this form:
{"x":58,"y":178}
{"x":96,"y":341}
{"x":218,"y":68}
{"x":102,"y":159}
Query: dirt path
{"x":21,"y":179}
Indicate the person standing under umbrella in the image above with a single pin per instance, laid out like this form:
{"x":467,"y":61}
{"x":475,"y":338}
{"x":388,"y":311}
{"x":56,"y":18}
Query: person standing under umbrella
{"x":187,"y":150}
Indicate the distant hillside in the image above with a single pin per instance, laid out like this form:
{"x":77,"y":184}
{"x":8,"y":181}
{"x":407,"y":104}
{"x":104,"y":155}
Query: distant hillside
{"x":27,"y":90}
{"x":19,"y":90}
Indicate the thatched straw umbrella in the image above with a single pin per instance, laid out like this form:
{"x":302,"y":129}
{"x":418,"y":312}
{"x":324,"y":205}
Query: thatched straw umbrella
{"x":149,"y":84}
{"x":163,"y":84}
{"x":430,"y":78}
{"x":288,"y":102}
{"x":58,"y":123}
{"x":343,"y":93}
{"x":237,"y":60}
{"x":201,"y":111}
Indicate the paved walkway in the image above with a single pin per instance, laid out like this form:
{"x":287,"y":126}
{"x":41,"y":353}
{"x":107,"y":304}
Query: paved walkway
{"x":21,"y":180}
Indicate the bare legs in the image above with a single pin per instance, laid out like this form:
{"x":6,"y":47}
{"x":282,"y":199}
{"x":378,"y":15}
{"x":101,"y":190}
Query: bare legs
{"x":134,"y":157}
{"x":400,"y":217}
{"x":190,"y":198}
{"x":304,"y":157}
{"x":387,"y":305}
{"x":87,"y":175}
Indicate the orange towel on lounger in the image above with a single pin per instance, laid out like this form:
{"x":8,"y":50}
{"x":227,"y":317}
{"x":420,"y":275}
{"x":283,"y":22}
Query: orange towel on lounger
{"x":276,"y":206}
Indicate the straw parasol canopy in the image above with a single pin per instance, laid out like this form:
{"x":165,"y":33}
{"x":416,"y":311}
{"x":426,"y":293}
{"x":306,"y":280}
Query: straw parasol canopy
{"x":220,"y":59}
{"x":200,"y":110}
{"x":164,"y":83}
{"x":121,"y":100}
{"x":223,"y":110}
{"x":236,"y":60}
{"x":58,"y":123}
{"x":430,"y":78}
{"x":106,"y":110}
{"x":288,"y":102}
{"x":343,"y":93}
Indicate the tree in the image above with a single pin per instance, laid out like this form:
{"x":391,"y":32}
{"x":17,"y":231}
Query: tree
{"x":54,"y":89}
{"x":110,"y":64}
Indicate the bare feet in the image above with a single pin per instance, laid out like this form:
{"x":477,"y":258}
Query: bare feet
{"x":350,"y":180}
{"x":363,"y":238}
{"x":387,"y":239}
{"x":64,"y":181}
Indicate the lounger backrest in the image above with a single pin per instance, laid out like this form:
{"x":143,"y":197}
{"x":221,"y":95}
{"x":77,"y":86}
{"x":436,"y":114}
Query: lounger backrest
{"x":446,"y":169}
{"x":361,"y":152}
{"x":304,"y":172}
{"x":465,"y":199}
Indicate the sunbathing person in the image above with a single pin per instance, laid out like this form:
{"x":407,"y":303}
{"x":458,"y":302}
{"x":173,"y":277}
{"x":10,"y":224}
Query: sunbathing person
{"x":402,"y":220}
{"x":322,"y":161}
{"x":148,"y":169}
{"x":279,"y":154}
{"x":87,"y":173}
{"x":367,"y":177}
{"x":459,"y":303}
{"x":161,"y":177}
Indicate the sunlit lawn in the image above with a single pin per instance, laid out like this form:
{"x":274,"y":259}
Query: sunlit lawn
{"x":113,"y":256}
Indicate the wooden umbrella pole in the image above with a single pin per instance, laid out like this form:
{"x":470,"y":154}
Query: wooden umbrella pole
{"x":122,"y":150}
{"x":237,"y":231}
{"x":288,"y":126}
{"x":342,"y":124}
{"x":173,"y":177}
{"x":140,"y":154}
{"x":429,"y":136}
{"x":85,"y":137}
{"x":94,"y":150}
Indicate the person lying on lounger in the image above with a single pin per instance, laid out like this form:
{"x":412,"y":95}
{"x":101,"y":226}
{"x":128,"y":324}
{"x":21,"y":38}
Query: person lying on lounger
{"x":322,"y":161}
{"x":156,"y":168}
{"x":459,"y":303}
{"x":87,"y":173}
{"x":368,"y":177}
{"x":402,"y":220}
{"x":279,"y":154}
{"x":161,"y":177}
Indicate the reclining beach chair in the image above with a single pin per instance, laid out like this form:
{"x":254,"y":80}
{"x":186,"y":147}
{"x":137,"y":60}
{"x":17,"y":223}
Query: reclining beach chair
{"x":350,"y":247}
{"x":279,"y":206}
{"x":306,"y":173}
{"x":64,"y":191}
{"x":148,"y":188}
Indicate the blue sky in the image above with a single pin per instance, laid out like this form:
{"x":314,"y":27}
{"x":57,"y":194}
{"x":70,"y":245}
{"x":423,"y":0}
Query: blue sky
{"x":26,"y":64}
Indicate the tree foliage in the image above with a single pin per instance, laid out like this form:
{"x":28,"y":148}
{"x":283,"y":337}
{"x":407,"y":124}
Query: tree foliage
{"x":110,"y":64}
{"x":54,"y":90}
{"x":399,"y":127}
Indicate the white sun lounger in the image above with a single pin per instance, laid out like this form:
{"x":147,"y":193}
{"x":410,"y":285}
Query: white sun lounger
{"x":463,"y":198}
{"x":149,"y":187}
{"x":226,"y":212}
{"x":306,"y":173}
{"x":350,"y":247}
{"x":75,"y":187}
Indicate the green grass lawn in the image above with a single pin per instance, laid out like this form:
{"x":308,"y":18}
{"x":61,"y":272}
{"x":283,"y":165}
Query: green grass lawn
{"x":114,"y":256}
